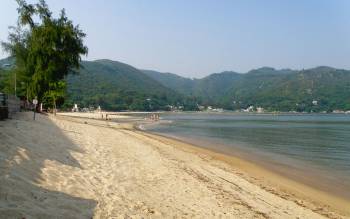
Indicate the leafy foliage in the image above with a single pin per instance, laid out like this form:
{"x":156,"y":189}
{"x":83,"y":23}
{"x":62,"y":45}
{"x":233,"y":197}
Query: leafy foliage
{"x":3,"y":77}
{"x":7,"y":78}
{"x":55,"y":93}
{"x":44,"y":52}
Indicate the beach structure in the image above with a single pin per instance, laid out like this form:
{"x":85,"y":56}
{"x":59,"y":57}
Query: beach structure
{"x":3,"y":107}
{"x":75,"y":108}
{"x":249,"y":109}
{"x":259,"y":110}
{"x":9,"y":105}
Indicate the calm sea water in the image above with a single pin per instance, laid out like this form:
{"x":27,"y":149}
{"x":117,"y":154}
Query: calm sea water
{"x":312,"y":145}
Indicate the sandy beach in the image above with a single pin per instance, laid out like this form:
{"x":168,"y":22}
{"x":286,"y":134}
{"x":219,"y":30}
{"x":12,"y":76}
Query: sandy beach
{"x":73,"y":167}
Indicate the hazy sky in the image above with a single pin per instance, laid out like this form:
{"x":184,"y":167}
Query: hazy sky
{"x":197,"y":37}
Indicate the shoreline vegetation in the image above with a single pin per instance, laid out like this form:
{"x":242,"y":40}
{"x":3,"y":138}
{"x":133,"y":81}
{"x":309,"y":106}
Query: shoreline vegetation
{"x":88,"y":167}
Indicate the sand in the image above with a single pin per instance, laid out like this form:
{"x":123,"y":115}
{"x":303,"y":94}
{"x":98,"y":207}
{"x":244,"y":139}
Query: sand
{"x":65,"y":167}
{"x":96,"y":115}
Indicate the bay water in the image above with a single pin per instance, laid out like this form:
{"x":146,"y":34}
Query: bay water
{"x":313,"y":148}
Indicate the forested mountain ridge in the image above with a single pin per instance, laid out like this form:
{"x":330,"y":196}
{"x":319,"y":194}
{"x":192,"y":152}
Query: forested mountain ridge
{"x":312,"y":90}
{"x":117,"y":86}
{"x":208,"y":89}
{"x":180,"y":84}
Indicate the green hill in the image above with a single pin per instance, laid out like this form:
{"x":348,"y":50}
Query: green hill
{"x":7,"y":63}
{"x":118,"y":86}
{"x":317,"y":89}
{"x":212,"y":88}
{"x":207,"y":89}
{"x":180,"y":84}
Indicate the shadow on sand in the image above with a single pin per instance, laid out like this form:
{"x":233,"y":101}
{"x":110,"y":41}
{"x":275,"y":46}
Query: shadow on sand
{"x":22,"y":158}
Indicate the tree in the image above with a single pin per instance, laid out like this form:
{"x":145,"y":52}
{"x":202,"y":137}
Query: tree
{"x":45,"y":52}
{"x":56,"y":91}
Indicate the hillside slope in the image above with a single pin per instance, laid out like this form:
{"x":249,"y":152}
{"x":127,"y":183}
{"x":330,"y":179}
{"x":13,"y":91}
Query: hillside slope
{"x":117,"y":86}
{"x":180,"y":84}
{"x":312,"y":90}
{"x":317,"y":89}
{"x":209,"y":89}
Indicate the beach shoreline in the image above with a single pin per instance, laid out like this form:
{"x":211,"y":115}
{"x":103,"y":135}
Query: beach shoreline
{"x":272,"y":179}
{"x":306,"y":176}
{"x":120,"y":170}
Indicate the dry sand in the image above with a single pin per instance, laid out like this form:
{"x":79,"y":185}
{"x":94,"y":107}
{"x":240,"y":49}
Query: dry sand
{"x":64,"y":167}
{"x":96,"y":115}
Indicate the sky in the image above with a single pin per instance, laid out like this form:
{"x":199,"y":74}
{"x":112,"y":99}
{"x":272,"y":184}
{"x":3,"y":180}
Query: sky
{"x":194,"y":38}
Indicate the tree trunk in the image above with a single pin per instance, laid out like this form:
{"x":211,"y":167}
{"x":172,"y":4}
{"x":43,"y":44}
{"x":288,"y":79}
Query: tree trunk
{"x":54,"y":107}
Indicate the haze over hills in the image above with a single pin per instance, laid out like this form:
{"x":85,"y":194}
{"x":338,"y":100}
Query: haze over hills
{"x":117,"y":86}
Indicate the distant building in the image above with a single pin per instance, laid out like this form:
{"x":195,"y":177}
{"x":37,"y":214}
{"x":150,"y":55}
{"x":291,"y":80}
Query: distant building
{"x":249,"y":109}
{"x":75,"y":108}
{"x":219,"y":110}
{"x":259,"y":110}
{"x":314,"y":102}
{"x":201,"y":108}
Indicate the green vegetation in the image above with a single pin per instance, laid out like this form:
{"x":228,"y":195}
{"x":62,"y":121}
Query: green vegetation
{"x":180,"y":84}
{"x":293,"y":91}
{"x":6,"y":78}
{"x":117,"y":86}
{"x":2,"y":79}
{"x":274,"y":90}
{"x":55,"y":93}
{"x":45,"y":49}
{"x":7,"y":82}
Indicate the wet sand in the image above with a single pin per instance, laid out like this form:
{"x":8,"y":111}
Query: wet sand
{"x":313,"y":178}
{"x":69,"y":167}
{"x":287,"y":185}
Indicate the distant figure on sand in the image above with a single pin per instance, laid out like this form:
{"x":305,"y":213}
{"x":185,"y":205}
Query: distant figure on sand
{"x":154,"y":117}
